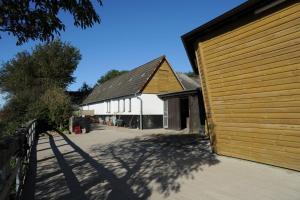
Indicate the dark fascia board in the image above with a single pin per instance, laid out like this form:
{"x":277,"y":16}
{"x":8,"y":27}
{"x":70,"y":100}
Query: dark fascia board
{"x":179,"y":94}
{"x":244,"y":9}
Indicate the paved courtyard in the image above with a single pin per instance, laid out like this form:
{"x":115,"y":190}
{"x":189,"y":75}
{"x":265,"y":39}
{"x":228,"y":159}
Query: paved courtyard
{"x":112,"y":163}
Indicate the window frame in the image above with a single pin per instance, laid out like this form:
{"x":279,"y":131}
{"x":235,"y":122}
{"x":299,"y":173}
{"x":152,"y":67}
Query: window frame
{"x":129,"y":105}
{"x":123,"y":109}
{"x":118,"y":110}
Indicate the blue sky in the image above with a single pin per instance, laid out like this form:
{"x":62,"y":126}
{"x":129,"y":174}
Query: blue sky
{"x":131,"y":33}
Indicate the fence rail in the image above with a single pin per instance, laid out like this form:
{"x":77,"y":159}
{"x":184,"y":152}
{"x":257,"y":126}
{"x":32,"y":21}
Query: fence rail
{"x":15,"y":154}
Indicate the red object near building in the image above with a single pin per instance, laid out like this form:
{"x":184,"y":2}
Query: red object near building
{"x":77,"y":129}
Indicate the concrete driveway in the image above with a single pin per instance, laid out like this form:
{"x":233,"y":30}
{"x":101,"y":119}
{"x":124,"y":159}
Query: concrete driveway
{"x":117,"y":163}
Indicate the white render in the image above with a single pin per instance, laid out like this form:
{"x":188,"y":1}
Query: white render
{"x":152,"y":105}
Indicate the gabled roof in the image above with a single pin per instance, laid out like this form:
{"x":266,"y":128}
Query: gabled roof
{"x":77,"y":97}
{"x":251,"y":9}
{"x":126,"y":84}
{"x":188,"y":82}
{"x":191,"y":86}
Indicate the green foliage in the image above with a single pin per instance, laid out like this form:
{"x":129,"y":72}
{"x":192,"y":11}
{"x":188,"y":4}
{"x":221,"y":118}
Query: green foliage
{"x":2,"y":126}
{"x":78,"y":96}
{"x":57,"y":106}
{"x":12,"y":115}
{"x":55,"y":63}
{"x":39,"y":20}
{"x":190,"y":74}
{"x":85,"y":88}
{"x":27,"y":78}
{"x":48,"y":65}
{"x":110,"y":74}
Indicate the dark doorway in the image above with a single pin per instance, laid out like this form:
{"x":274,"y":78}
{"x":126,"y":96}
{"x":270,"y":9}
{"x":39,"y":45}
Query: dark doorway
{"x":184,"y":112}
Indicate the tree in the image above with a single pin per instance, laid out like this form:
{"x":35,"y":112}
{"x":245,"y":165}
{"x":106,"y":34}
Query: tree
{"x":57,"y":105}
{"x":55,"y":62}
{"x":110,"y":74}
{"x":27,"y":77}
{"x":13,"y":114}
{"x":190,"y":74}
{"x":85,"y":88}
{"x":48,"y":65}
{"x":78,"y":96}
{"x":39,"y":20}
{"x":2,"y":127}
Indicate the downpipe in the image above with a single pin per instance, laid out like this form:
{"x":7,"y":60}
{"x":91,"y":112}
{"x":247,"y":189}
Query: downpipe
{"x":141,"y":111}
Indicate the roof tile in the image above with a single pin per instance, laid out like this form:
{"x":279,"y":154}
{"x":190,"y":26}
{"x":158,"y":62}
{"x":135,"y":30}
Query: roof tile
{"x":126,"y":84}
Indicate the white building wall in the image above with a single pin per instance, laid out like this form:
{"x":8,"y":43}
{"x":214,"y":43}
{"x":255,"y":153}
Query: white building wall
{"x":152,"y":105}
{"x":98,"y":108}
{"x":114,"y":106}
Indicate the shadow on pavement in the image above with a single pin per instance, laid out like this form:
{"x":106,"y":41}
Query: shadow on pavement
{"x":125,"y":169}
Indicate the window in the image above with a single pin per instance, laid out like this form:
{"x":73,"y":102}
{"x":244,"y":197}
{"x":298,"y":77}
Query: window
{"x":108,"y":106}
{"x":118,"y":105}
{"x":123,"y":110}
{"x":129,"y":105}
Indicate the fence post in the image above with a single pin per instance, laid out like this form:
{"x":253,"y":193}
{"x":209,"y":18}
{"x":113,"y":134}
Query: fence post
{"x":16,"y":148}
{"x":17,"y":175}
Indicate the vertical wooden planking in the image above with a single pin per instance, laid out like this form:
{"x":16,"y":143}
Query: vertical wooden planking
{"x":195,"y":124}
{"x":164,"y":80}
{"x":174,"y":121}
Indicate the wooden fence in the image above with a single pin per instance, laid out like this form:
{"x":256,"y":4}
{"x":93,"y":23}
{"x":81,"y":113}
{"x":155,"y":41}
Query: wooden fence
{"x":15,"y":154}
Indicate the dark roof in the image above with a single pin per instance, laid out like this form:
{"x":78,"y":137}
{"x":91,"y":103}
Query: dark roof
{"x":126,"y":84}
{"x":188,"y":82}
{"x":249,"y":9}
{"x":180,"y":93}
{"x":77,"y":97}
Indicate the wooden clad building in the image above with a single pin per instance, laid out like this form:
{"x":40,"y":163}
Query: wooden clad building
{"x":184,"y":109}
{"x":249,"y":63}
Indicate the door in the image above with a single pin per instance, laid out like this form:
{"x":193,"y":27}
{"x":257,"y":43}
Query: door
{"x":184,"y":112}
{"x":165,"y":118}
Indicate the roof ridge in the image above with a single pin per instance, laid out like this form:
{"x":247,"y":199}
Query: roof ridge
{"x":155,"y":59}
{"x":126,"y":84}
{"x":115,"y":78}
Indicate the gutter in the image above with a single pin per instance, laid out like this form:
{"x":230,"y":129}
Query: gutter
{"x":141,"y":111}
{"x":180,"y":93}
